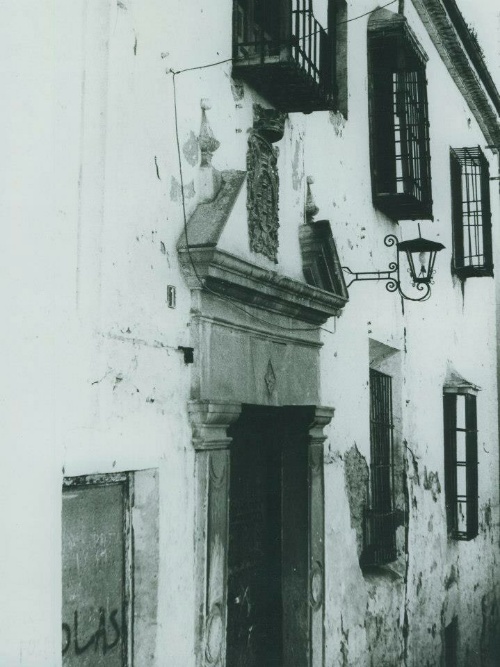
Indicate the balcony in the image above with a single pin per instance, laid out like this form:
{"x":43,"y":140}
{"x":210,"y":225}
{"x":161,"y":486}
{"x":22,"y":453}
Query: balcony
{"x":287,"y":56}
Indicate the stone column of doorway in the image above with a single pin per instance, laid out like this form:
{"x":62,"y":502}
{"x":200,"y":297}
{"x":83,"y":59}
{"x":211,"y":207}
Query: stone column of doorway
{"x":320,"y":419}
{"x":210,"y":421}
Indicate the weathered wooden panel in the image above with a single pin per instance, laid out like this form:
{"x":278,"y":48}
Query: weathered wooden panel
{"x":93,"y":538}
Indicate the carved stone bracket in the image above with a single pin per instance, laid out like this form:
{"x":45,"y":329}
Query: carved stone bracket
{"x":269,"y":123}
{"x":322,"y":417}
{"x":210,"y":421}
{"x":263,"y":181}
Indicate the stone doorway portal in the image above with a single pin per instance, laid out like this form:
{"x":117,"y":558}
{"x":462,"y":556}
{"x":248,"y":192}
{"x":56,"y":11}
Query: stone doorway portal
{"x":260,"y":471}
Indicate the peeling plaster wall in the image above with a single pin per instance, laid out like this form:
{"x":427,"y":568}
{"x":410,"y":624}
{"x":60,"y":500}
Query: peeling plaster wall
{"x":401,"y":611}
{"x":96,"y":383}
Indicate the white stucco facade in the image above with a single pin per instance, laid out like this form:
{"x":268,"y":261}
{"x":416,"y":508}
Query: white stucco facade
{"x":95,"y":382}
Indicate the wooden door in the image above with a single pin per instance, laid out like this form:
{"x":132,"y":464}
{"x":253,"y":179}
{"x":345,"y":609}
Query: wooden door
{"x":268,"y":608}
{"x":254,"y":631}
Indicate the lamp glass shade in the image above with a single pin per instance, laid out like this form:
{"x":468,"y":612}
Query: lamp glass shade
{"x":421,"y":254}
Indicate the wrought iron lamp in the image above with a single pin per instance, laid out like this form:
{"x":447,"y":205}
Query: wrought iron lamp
{"x":421,"y":255}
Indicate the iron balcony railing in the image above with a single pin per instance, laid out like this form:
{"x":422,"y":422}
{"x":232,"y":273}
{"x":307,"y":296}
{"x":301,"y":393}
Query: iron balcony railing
{"x":311,"y":48}
{"x":301,"y":43}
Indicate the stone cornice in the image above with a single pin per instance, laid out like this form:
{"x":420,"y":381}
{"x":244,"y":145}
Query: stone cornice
{"x":232,"y":277}
{"x":451,"y":49}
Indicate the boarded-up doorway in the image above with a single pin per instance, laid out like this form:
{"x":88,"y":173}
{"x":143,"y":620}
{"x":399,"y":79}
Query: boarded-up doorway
{"x":110,"y":568}
{"x":95,"y":572}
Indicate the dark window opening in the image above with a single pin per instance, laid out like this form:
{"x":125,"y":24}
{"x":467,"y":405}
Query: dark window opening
{"x":399,"y":123}
{"x":451,"y":644}
{"x":380,"y":525}
{"x":461,"y":465}
{"x":471,"y":213}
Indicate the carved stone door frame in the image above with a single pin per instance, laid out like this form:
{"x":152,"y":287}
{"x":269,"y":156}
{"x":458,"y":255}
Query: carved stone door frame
{"x":210,"y":421}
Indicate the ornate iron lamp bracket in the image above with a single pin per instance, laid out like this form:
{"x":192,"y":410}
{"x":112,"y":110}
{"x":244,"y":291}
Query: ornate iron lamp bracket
{"x":392,"y":276}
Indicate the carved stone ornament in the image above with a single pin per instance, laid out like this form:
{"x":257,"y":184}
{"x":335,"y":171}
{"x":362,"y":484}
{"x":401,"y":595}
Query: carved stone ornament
{"x":270,"y":379}
{"x":316,"y":585}
{"x":269,"y":123}
{"x":311,"y":208}
{"x":263,"y":183}
{"x":206,"y":140}
{"x":214,"y":635}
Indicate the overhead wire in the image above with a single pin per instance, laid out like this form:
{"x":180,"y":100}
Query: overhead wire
{"x":355,"y":18}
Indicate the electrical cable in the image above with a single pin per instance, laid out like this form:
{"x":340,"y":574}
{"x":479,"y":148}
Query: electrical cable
{"x":228,"y":60}
{"x":355,"y":18}
{"x":190,"y":69}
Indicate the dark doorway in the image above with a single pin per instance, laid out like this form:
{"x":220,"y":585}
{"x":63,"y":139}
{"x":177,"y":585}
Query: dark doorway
{"x":268,"y":540}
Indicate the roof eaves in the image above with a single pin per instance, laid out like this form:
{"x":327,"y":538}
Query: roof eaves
{"x":451,"y":49}
{"x":473,"y":51}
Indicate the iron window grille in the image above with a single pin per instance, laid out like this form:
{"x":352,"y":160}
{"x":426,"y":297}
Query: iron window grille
{"x":471,"y":212}
{"x":380,"y":523}
{"x":281,"y":49}
{"x":461,"y":465}
{"x":399,"y":119}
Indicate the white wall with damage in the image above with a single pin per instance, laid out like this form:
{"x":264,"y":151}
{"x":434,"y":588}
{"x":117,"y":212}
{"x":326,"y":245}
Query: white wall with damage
{"x":94,"y":381}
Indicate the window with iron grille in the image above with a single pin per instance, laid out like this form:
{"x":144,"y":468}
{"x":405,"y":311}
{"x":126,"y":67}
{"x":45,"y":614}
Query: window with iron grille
{"x":471,"y":214}
{"x":461,"y":463}
{"x":380,"y":525}
{"x":399,"y":124}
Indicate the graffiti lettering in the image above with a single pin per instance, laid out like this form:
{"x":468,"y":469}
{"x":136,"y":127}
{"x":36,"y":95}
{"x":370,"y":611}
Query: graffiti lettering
{"x":99,"y":640}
